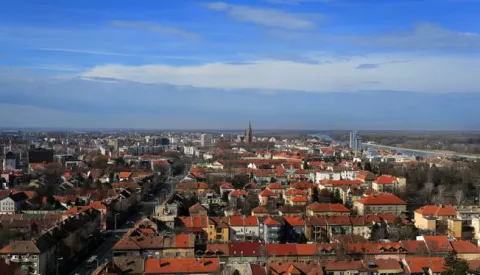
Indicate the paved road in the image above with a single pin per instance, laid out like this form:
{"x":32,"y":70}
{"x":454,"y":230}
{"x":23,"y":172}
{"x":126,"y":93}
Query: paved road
{"x":104,"y":250}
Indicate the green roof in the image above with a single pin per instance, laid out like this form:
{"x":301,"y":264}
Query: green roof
{"x":32,"y":216}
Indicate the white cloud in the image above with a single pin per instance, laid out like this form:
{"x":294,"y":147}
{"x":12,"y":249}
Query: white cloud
{"x":424,"y":36}
{"x":156,"y":28}
{"x":263,"y":16}
{"x":327,"y":74}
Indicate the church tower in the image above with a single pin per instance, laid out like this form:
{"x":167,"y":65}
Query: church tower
{"x":250,"y":133}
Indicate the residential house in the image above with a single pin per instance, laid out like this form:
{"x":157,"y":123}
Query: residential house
{"x":289,"y":210}
{"x":244,"y":228}
{"x":272,"y":229}
{"x":260,"y":211}
{"x":294,"y":227}
{"x":434,"y":217}
{"x":466,"y":250}
{"x":226,"y":188}
{"x":182,"y":266}
{"x":35,"y":256}
{"x":327,"y":209}
{"x":386,"y":183}
{"x":380,"y":203}
{"x":266,"y":196}
{"x":424,"y":265}
{"x":316,"y":229}
{"x":218,"y":229}
{"x":197,"y":210}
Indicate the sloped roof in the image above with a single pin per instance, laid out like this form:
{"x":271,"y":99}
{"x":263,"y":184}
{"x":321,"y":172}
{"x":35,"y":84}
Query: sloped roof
{"x":382,"y":199}
{"x":327,"y":207}
{"x":437,"y":211}
{"x":181,"y":266}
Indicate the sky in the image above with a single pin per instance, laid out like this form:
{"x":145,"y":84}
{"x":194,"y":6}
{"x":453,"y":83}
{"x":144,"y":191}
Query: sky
{"x":282,"y":64}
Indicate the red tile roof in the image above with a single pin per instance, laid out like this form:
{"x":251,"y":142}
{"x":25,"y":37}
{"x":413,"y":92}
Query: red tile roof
{"x":385,"y":179}
{"x":294,"y":220}
{"x":267,"y":193}
{"x":124,"y":175}
{"x":275,"y":186}
{"x":243,"y":221}
{"x":341,"y":182}
{"x":281,"y":249}
{"x":382,"y":199}
{"x":465,"y":247}
{"x":299,"y":199}
{"x":247,"y":249}
{"x":260,"y":210}
{"x":343,"y":265}
{"x":327,"y":207}
{"x":419,"y":264}
{"x":227,"y":185}
{"x":438,"y":243}
{"x":271,"y":222}
{"x":437,"y":211}
{"x":238,"y":193}
{"x":182,"y":266}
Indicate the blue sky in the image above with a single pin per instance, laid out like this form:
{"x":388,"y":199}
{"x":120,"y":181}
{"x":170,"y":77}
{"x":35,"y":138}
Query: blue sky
{"x":307,"y":64}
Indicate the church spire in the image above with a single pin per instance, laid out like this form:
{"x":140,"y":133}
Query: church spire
{"x":250,"y":133}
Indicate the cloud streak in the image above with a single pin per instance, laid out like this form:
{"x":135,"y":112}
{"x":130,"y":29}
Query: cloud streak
{"x":155,"y":28}
{"x":273,"y":18}
{"x":83,"y":51}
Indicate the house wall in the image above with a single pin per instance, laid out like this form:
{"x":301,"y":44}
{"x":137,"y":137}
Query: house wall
{"x":378,"y":209}
{"x":424,"y":223}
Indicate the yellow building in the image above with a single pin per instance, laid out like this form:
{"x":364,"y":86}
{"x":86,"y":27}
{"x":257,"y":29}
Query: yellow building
{"x":218,"y":229}
{"x":454,"y":228}
{"x":429,"y":217}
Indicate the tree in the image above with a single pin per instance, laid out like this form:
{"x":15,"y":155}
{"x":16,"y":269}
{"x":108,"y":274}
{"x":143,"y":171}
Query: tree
{"x":315,"y":195}
{"x":336,"y":196}
{"x":455,"y":265}
{"x":441,"y":193}
{"x":51,"y":200}
{"x":368,"y":166}
{"x":302,"y":239}
{"x":459,"y":196}
{"x":427,"y":190}
{"x":305,"y":164}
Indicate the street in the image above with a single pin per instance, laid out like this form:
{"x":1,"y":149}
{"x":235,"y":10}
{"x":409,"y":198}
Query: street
{"x":103,"y":252}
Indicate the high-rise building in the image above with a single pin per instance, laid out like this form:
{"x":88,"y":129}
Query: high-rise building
{"x":206,"y":140}
{"x":355,"y":140}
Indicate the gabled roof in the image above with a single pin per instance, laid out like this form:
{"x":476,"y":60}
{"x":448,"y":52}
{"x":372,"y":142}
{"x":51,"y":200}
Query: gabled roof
{"x":289,"y":209}
{"x":415,"y":247}
{"x":275,"y":186}
{"x":247,"y":249}
{"x":465,"y":247}
{"x":181,"y":266}
{"x":338,"y":220}
{"x":196,"y":208}
{"x":341,"y":182}
{"x":20,"y":247}
{"x":421,"y":264}
{"x":267,"y":193}
{"x":299,"y":199}
{"x":343,"y":265}
{"x":260,"y":210}
{"x":382,"y":199}
{"x":438,"y":243}
{"x":437,"y":211}
{"x":271,"y":222}
{"x":238,"y":193}
{"x":227,"y":185}
{"x":294,"y":220}
{"x":125,"y":174}
{"x":327,"y":207}
{"x":243,"y":221}
{"x":386,"y":179}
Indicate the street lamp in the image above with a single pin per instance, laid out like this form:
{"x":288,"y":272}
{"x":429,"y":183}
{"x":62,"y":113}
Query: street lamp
{"x":116,"y":221}
{"x":56,"y":265}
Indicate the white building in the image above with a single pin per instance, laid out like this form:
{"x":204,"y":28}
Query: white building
{"x":206,"y":140}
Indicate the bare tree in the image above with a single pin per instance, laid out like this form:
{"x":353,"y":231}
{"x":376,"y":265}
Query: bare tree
{"x":441,"y":193}
{"x":427,"y":190}
{"x":459,"y":196}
